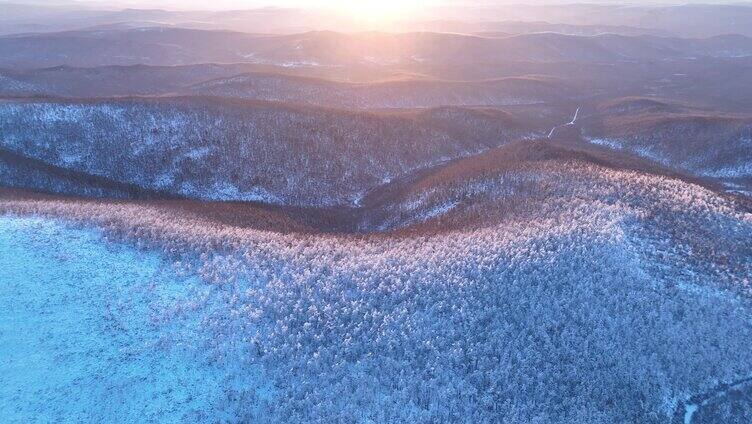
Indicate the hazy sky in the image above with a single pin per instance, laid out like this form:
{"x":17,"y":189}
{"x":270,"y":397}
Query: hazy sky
{"x":352,"y":4}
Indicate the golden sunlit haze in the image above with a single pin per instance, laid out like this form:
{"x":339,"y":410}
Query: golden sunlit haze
{"x":376,"y":11}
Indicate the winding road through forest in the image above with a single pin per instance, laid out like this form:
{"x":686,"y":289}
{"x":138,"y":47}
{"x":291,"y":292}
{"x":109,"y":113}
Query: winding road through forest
{"x":570,"y":123}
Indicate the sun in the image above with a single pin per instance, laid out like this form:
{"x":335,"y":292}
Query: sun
{"x":377,"y":11}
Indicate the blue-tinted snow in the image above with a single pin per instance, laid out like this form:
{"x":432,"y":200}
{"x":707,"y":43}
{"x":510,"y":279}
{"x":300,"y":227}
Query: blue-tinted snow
{"x":83,"y":338}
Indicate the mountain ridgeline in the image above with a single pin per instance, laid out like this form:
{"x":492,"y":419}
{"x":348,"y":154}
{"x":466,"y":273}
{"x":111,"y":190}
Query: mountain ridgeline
{"x":238,"y":150}
{"x":177,"y":46}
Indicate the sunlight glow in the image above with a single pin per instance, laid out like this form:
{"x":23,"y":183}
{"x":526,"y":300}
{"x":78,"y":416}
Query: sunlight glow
{"x":376,"y":11}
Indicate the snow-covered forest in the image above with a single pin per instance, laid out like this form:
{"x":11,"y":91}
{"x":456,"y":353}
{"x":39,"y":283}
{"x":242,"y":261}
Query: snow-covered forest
{"x":225,"y":150}
{"x":572,"y":302}
{"x":500,"y":214}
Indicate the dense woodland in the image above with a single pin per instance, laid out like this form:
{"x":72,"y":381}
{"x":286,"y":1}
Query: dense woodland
{"x":232,"y":150}
{"x":463,"y":219}
{"x":551,"y":308}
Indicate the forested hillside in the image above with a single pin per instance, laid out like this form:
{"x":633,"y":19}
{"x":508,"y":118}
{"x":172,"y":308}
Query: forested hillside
{"x":235,"y":150}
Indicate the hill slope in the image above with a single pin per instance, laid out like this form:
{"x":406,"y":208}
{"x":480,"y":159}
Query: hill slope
{"x":393,"y":94}
{"x":707,"y":144}
{"x":600,"y":277}
{"x":232,"y":150}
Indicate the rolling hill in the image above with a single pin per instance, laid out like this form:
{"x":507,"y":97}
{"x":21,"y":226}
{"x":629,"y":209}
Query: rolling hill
{"x":547,"y":260}
{"x":239,"y":150}
{"x":698,"y":142}
{"x":178,"y":46}
{"x":404,"y":94}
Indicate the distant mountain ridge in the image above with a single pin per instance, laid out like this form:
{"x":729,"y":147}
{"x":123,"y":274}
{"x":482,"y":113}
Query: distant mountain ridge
{"x":176,"y":46}
{"x":689,"y":20}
